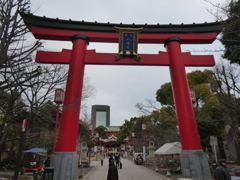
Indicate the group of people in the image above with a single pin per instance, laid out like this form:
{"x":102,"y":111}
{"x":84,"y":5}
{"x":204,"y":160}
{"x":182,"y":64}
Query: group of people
{"x":113,"y":169}
{"x":220,"y":173}
{"x":138,"y":159}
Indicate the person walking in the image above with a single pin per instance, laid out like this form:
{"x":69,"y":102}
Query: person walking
{"x":101,"y":158}
{"x":117,"y":159}
{"x":221,"y":172}
{"x":111,"y":159}
{"x":112,"y":171}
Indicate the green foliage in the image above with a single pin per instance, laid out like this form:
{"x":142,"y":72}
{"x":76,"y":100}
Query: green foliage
{"x":231,"y":33}
{"x":8,"y":163}
{"x":137,"y":126}
{"x":210,"y":121}
{"x":102,"y":131}
{"x":197,"y":77}
{"x":208,"y":110}
{"x":45,"y":142}
{"x":199,"y":82}
{"x":162,"y":125}
{"x":164,"y":95}
{"x":120,"y":137}
{"x":84,"y":124}
{"x":126,"y":129}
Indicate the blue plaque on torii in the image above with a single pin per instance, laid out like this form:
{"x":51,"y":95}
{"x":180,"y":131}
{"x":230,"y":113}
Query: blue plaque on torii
{"x":128,"y":42}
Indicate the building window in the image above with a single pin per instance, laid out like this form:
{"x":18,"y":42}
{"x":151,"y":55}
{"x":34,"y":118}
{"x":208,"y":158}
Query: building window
{"x":101,"y":118}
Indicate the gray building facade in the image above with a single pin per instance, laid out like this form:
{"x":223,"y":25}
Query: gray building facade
{"x":100,"y":115}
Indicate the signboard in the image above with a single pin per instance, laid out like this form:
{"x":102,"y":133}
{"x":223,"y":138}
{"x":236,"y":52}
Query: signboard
{"x":90,"y":127}
{"x":24,"y":124}
{"x":128,"y":42}
{"x":213,"y":141}
{"x":133,"y":134}
{"x":59,"y":96}
{"x":193,"y":95}
{"x":143,"y":126}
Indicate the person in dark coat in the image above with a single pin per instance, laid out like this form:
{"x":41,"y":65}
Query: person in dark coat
{"x":117,"y":159}
{"x":112,"y":171}
{"x":221,"y":172}
{"x":101,"y":158}
{"x":110,"y":159}
{"x":47,"y":162}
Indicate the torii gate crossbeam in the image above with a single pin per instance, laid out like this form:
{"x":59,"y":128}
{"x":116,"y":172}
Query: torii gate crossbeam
{"x":93,"y":58}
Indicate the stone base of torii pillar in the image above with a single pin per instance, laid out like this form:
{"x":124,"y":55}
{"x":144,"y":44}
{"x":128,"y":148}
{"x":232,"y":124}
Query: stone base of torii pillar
{"x":195,"y":164}
{"x":65,"y":165}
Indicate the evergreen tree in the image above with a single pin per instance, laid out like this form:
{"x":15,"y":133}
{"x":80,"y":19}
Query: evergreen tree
{"x":231,"y":32}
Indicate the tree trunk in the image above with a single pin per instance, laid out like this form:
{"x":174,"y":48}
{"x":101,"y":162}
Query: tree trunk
{"x":237,"y":146}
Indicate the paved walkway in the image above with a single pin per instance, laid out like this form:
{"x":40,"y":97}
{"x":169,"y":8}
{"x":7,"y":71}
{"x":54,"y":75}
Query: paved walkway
{"x":130,"y":171}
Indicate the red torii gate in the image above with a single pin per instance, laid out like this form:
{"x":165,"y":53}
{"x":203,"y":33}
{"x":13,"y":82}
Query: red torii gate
{"x":81,"y":33}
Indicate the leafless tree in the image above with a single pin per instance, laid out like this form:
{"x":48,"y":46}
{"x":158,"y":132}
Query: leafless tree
{"x":15,"y":56}
{"x":22,"y":81}
{"x":147,"y":108}
{"x":227,"y":89}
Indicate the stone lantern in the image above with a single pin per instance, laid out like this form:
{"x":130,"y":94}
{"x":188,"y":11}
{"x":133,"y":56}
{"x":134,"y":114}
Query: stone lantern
{"x":151,"y":149}
{"x":84,"y":149}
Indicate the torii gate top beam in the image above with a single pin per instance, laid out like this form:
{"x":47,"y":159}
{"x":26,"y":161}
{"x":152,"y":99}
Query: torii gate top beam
{"x":64,"y":30}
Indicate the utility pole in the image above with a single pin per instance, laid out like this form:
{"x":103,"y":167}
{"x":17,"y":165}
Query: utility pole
{"x":144,"y":141}
{"x":21,"y":143}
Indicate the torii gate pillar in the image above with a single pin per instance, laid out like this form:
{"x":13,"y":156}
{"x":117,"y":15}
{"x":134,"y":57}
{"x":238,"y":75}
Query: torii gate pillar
{"x":65,"y":157}
{"x":193,"y":160}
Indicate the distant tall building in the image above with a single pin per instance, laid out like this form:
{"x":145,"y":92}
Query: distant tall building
{"x":100,"y":115}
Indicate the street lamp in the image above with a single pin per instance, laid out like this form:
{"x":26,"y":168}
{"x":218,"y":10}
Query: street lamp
{"x":26,"y":110}
{"x":133,"y":135}
{"x":58,"y":99}
{"x":125,"y":142}
{"x":90,"y":128}
{"x":126,"y":146}
{"x":144,"y":140}
{"x":96,"y":147}
{"x":100,"y":139}
{"x":193,"y":95}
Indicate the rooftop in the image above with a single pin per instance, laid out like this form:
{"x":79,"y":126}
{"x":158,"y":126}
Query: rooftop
{"x":32,"y":20}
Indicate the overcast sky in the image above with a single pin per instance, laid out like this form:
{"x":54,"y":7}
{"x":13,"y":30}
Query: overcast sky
{"x":122,"y":87}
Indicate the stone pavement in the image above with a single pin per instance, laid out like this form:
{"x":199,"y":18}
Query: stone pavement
{"x":96,"y":171}
{"x":130,"y":171}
